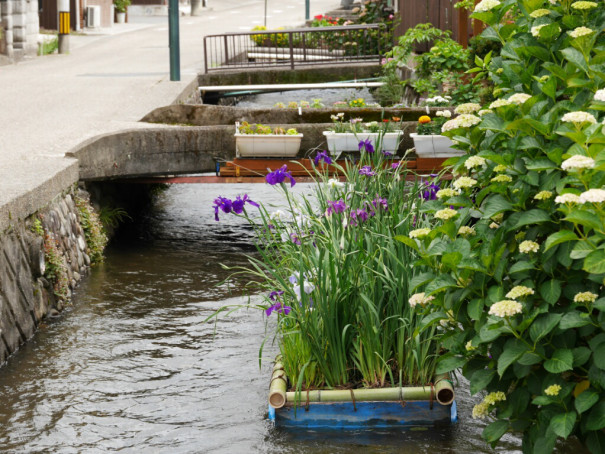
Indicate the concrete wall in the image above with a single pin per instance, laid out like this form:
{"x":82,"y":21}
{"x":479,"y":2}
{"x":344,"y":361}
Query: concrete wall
{"x":106,"y":11}
{"x":19,"y":19}
{"x":26,"y":297}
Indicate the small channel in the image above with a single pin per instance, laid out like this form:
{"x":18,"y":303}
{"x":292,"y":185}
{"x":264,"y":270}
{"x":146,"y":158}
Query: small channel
{"x":131,"y":367}
{"x":327,"y":96}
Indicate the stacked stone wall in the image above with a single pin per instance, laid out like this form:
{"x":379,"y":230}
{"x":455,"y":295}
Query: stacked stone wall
{"x":26,"y":296}
{"x":21,"y":25}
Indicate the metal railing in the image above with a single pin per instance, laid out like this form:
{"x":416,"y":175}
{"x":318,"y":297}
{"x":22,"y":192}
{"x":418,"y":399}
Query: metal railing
{"x":292,"y":47}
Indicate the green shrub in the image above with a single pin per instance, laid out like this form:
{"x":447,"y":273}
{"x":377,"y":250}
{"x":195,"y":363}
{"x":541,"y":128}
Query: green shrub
{"x":56,"y":268}
{"x":96,"y":239}
{"x":517,"y":248}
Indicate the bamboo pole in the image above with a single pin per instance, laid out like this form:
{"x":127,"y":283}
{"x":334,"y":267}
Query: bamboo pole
{"x":363,"y":395}
{"x":443,"y":389}
{"x":277,"y":388}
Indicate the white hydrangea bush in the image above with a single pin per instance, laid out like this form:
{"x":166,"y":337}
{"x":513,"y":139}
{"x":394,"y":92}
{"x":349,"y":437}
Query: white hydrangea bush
{"x":517,"y":249}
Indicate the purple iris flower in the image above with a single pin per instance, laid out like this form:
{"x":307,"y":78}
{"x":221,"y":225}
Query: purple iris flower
{"x":380,"y":202}
{"x":224,"y":204}
{"x":367,"y":171}
{"x":395,"y":165}
{"x":275,"y":294}
{"x":279,"y":308}
{"x":227,"y":205}
{"x":239,"y":202}
{"x":295,"y":239}
{"x":430,"y":190}
{"x":322,"y":156}
{"x":336,"y":206}
{"x":387,"y":153}
{"x":279,"y":176}
{"x":367,"y":145}
{"x":358,"y":215}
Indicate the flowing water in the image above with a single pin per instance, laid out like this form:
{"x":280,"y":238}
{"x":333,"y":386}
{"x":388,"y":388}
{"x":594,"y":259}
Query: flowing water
{"x":132,"y":367}
{"x":327,"y":96}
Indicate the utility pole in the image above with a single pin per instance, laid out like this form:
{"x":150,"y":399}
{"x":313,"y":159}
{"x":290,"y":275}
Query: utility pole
{"x":64,"y":25}
{"x":307,"y":9}
{"x":174,"y":40}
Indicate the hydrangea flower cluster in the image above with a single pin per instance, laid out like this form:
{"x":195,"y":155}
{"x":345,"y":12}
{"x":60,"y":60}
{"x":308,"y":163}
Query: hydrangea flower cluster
{"x":486,"y":5}
{"x":446,"y":214}
{"x":519,"y":98}
{"x":578,"y":118}
{"x":519,"y":291}
{"x":585,"y":297}
{"x":580,"y":31}
{"x":592,"y":196}
{"x":480,"y":411}
{"x":505,"y":308}
{"x":467,"y":108}
{"x":529,"y":246}
{"x":466,"y":231}
{"x":420,"y":299}
{"x":419,"y":233}
{"x":553,"y":390}
{"x":462,"y":121}
{"x":474,"y":161}
{"x":464,"y":183}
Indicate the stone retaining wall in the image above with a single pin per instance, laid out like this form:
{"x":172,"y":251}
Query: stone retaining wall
{"x":26,"y":295}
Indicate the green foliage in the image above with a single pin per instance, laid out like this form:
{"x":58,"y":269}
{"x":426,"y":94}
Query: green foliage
{"x":340,"y":280}
{"x":48,"y":47}
{"x":259,"y":129}
{"x":113,"y":217}
{"x":521,"y":262}
{"x":443,"y":69}
{"x":121,"y":5}
{"x":37,"y":228}
{"x":392,"y":91}
{"x":56,"y":268}
{"x":96,"y":238}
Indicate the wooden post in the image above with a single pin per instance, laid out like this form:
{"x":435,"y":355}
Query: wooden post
{"x":463,"y":27}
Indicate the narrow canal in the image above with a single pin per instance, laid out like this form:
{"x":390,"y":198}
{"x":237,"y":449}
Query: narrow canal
{"x":131,"y":367}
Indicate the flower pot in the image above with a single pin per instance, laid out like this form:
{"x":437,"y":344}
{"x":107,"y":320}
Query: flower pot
{"x":267,"y":145}
{"x":120,"y":18}
{"x":348,"y":141}
{"x":434,"y":146}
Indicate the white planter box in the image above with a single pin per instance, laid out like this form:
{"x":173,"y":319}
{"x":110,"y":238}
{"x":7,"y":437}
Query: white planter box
{"x":267,"y":145}
{"x":348,"y":141}
{"x":434,"y":146}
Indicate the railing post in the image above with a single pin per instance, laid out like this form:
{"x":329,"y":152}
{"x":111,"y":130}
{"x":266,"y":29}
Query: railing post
{"x":226,"y":50}
{"x":290,"y":36}
{"x":205,"y":55}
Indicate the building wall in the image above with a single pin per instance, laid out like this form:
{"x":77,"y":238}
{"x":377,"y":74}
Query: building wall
{"x":106,"y":11}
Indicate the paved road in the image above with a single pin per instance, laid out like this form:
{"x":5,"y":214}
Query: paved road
{"x":50,"y":104}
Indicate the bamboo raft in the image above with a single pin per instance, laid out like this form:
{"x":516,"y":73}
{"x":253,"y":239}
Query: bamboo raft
{"x":429,"y":405}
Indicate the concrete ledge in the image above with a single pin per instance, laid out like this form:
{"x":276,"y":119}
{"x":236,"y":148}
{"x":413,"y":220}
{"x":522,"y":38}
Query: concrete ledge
{"x":207,"y":115}
{"x":33,"y":199}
